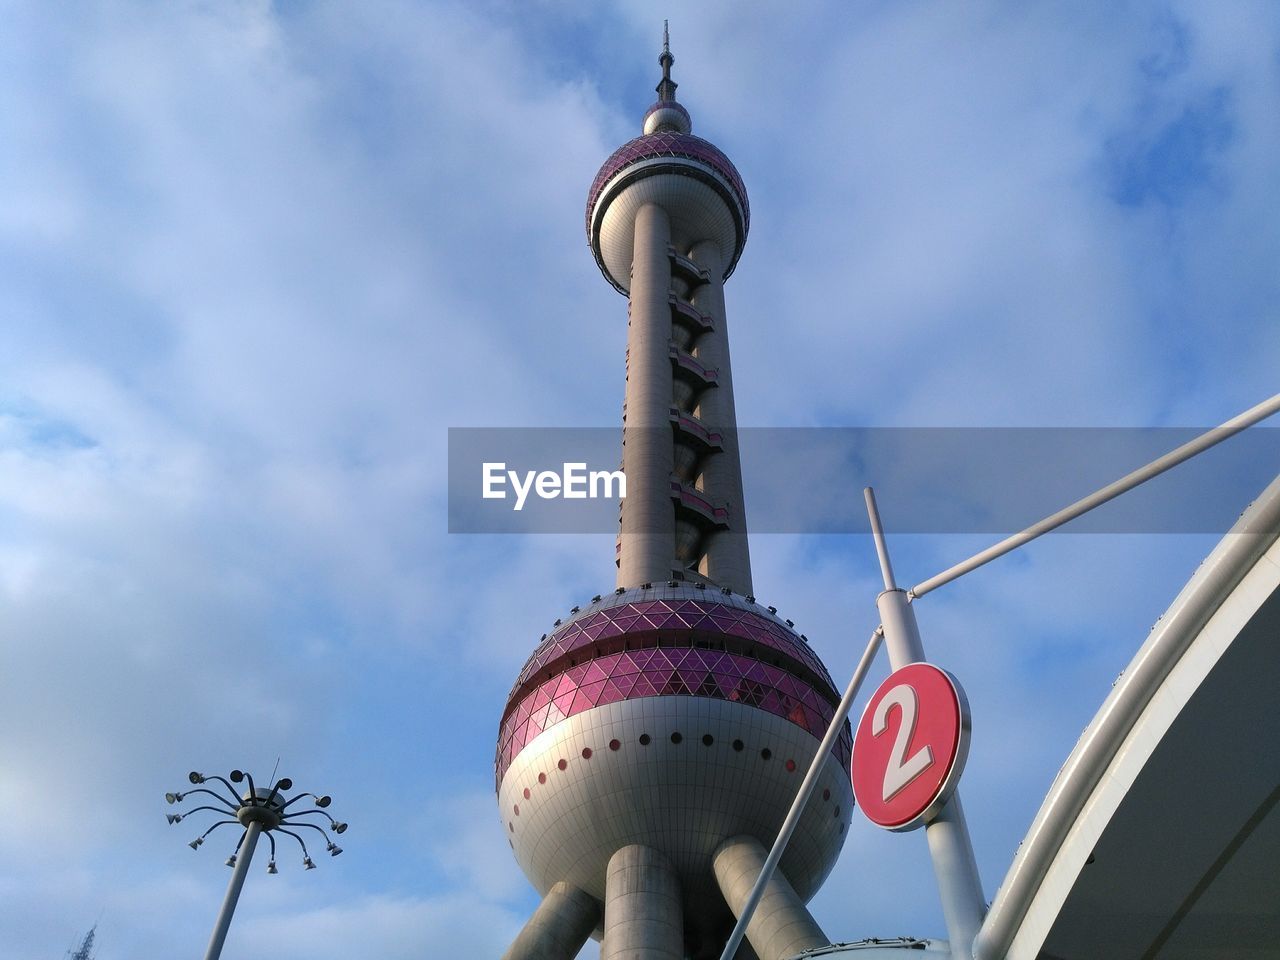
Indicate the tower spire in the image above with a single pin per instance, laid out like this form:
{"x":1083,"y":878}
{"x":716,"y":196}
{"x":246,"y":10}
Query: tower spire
{"x":666,"y":86}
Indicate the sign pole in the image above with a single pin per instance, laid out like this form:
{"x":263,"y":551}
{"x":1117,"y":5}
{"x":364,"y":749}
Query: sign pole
{"x":950,"y":847}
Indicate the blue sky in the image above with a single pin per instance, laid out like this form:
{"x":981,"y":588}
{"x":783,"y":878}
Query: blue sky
{"x":256,"y":258}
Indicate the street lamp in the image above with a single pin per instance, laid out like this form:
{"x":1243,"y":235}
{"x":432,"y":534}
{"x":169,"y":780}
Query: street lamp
{"x":259,"y":811}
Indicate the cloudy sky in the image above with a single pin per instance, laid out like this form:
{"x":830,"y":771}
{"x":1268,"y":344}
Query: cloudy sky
{"x":256,"y":259}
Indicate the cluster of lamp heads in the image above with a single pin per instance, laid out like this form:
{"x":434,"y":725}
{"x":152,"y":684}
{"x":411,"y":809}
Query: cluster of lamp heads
{"x":268,"y":808}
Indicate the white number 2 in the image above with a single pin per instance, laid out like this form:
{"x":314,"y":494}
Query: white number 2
{"x":900,"y":771}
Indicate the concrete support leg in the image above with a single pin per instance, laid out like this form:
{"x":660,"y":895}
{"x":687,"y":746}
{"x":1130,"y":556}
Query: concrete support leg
{"x":648,"y":542}
{"x":781,"y":926}
{"x":728,"y":558}
{"x":643,"y":919}
{"x":558,"y":928}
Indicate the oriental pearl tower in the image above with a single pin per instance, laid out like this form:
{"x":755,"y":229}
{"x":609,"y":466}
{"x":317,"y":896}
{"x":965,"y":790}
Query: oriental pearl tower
{"x":651,"y":746}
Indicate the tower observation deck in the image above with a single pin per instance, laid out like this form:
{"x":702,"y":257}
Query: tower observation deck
{"x":653,"y":742}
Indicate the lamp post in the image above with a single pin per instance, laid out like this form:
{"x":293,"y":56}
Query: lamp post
{"x":258,"y":810}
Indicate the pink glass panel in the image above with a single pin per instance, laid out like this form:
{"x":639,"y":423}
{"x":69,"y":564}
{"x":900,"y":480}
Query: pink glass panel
{"x":670,"y":670}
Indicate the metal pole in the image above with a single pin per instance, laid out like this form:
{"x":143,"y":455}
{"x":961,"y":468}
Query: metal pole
{"x":223,"y":923}
{"x":950,"y":846}
{"x":1109,"y":492}
{"x":802,"y":798}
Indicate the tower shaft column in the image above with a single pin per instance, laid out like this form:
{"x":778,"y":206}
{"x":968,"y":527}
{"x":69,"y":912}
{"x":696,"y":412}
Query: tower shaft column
{"x":643,"y":919}
{"x":558,"y":928}
{"x":727,"y":560}
{"x":648,"y":543}
{"x":781,"y":926}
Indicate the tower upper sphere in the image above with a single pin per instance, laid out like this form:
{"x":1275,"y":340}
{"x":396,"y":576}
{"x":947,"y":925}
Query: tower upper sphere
{"x":688,"y":176}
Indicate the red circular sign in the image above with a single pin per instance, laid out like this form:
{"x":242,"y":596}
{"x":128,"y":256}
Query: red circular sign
{"x":910,"y":746}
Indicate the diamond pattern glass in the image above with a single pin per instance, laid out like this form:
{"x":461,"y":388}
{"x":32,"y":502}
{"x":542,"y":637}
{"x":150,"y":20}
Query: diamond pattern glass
{"x":665,"y":671}
{"x":669,"y":144}
{"x":646,"y":623}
